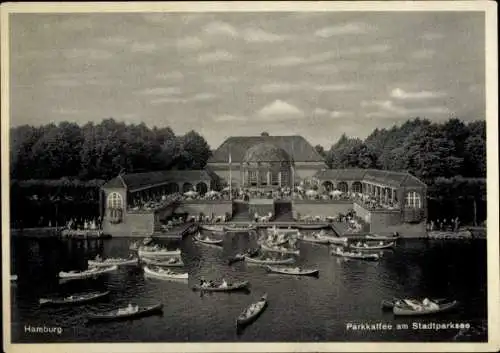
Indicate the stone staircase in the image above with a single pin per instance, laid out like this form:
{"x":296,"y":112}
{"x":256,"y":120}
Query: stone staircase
{"x":240,"y":212}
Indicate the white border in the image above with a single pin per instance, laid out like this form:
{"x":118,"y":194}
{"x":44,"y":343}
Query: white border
{"x":491,"y":69}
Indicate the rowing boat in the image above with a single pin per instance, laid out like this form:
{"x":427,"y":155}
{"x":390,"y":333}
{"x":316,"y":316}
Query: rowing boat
{"x":229,"y":288}
{"x":353,"y":255}
{"x":293,"y":271}
{"x":312,"y":226}
{"x":239,"y":229}
{"x":281,"y":250}
{"x":74,"y":299}
{"x":126,"y":313}
{"x":91,"y":272}
{"x":286,"y":231}
{"x":337,"y":240}
{"x":251,"y":260}
{"x":210,"y":228}
{"x":390,"y":304}
{"x":112,"y":261}
{"x":161,"y":273}
{"x":407,"y":310}
{"x":172,"y":262}
{"x":207,"y":240}
{"x":251,"y":313}
{"x":381,"y":237}
{"x":314,"y":239}
{"x":153,"y":252}
{"x":436,"y":234}
{"x":373,"y":247}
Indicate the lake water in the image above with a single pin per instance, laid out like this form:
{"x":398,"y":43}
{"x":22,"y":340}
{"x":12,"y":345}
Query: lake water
{"x":301,"y":309}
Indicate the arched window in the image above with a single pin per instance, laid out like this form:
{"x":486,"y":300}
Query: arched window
{"x":413,"y":200}
{"x":115,"y":200}
{"x":357,"y":187}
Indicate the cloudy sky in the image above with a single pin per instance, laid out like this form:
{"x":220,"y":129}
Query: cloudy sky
{"x":225,"y":74}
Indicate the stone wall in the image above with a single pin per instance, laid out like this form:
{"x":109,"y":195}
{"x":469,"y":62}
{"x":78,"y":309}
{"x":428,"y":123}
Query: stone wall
{"x":132,"y":224}
{"x":320,"y":208}
{"x":362,"y":213}
{"x":194,"y":208}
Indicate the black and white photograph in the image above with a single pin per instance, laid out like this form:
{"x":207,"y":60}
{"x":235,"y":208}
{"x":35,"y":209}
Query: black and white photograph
{"x":261,"y":176}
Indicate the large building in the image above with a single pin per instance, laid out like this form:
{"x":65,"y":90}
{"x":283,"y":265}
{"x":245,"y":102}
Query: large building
{"x":265,"y":161}
{"x":387,"y":201}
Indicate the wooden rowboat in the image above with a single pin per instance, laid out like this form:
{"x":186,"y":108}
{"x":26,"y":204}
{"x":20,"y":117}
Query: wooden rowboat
{"x":217,"y":229}
{"x":373,"y":247}
{"x":353,"y":255}
{"x":172,"y":262}
{"x":251,"y":313}
{"x":208,"y":241}
{"x":239,"y":229}
{"x":409,"y":311}
{"x":381,"y":237}
{"x":91,"y":272}
{"x":281,"y":250}
{"x":390,"y":304}
{"x":113,"y":261}
{"x":165,"y":274}
{"x":256,"y":261}
{"x":230,"y":287}
{"x":124,"y":313}
{"x":74,"y":299}
{"x":292,"y":271}
{"x":313,"y":239}
{"x":146,"y":252}
{"x":312,"y":226}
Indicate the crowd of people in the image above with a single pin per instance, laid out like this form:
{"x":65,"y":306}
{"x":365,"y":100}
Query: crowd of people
{"x":84,"y":224}
{"x":451,"y":225}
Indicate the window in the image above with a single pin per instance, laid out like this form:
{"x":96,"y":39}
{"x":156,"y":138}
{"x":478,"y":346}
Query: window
{"x":115,"y":200}
{"x":263,"y":178}
{"x":275,"y":178}
{"x":413,"y":200}
{"x":252,"y":177}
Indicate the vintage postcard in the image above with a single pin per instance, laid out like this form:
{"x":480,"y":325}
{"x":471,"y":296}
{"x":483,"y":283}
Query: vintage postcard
{"x":250,"y":177}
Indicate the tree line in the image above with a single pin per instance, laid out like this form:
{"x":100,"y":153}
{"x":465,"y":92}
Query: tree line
{"x":425,"y":149}
{"x":101,"y":151}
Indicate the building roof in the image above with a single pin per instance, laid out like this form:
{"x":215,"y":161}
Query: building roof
{"x":384,"y":177}
{"x":136,"y":181}
{"x":266,"y":152}
{"x":295,"y":146}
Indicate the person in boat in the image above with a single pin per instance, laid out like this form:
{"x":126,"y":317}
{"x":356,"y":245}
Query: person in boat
{"x":429,"y":304}
{"x":98,"y":258}
{"x":223,"y":284}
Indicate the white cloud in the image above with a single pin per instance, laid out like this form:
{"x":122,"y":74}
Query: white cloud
{"x":336,"y":87}
{"x":205,"y":96}
{"x":285,"y":61}
{"x":143,"y":47}
{"x":160,"y":91}
{"x":280,"y":87}
{"x":321,"y":112}
{"x":369,"y":49}
{"x":166,"y":100}
{"x":432,"y":36}
{"x":190,"y":43}
{"x":423,"y":54}
{"x":220,"y":28}
{"x":280,"y":110}
{"x":89,"y":53}
{"x":64,"y":83}
{"x":229,"y":118}
{"x":346,"y":28}
{"x":398,"y":93}
{"x":388,"y":108}
{"x":259,"y":35}
{"x":114,"y":40}
{"x":172,"y":75}
{"x":219,"y":55}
